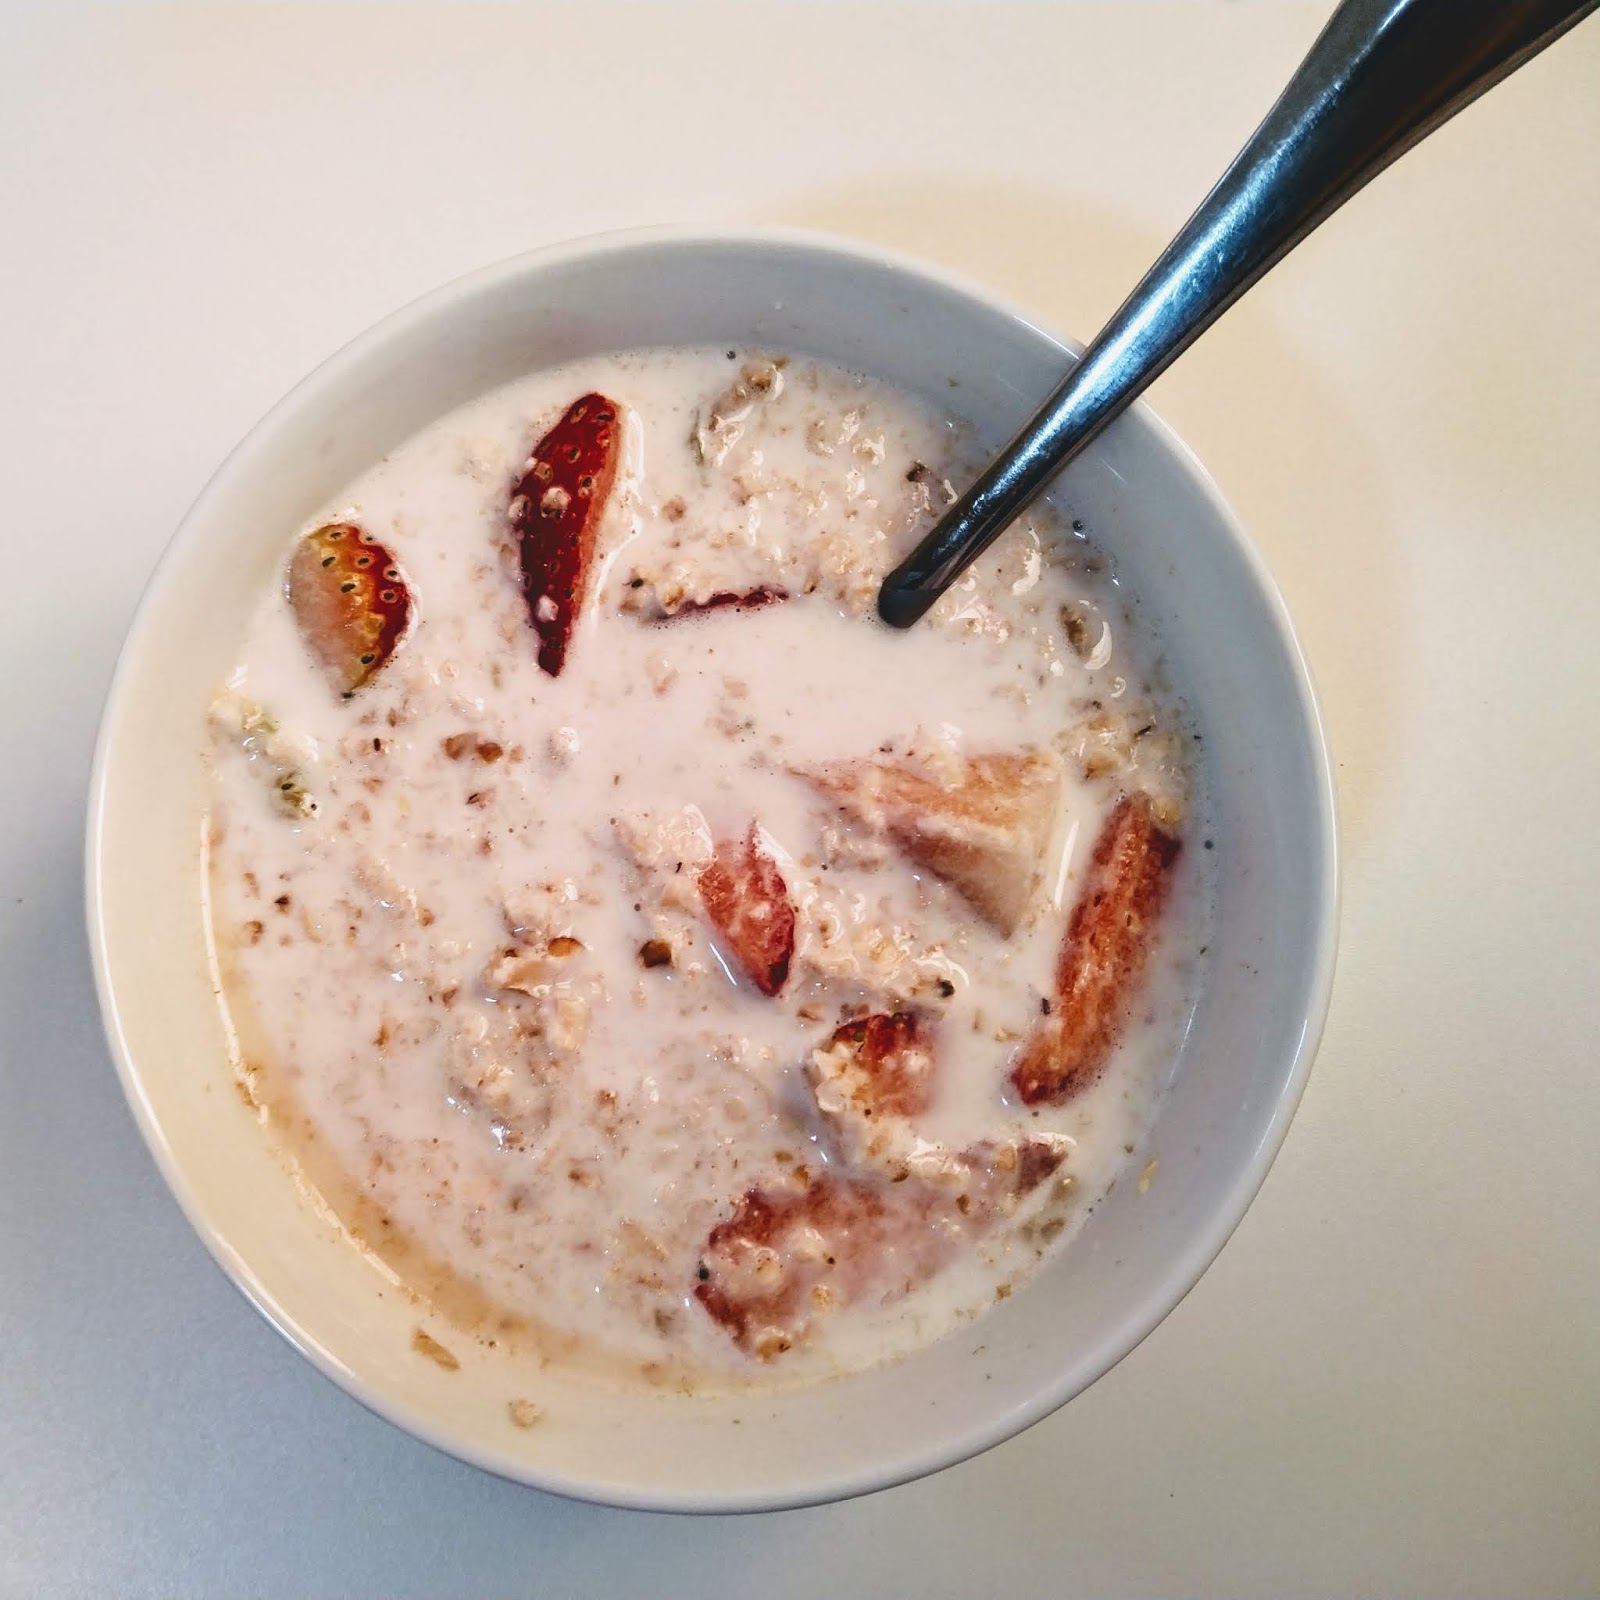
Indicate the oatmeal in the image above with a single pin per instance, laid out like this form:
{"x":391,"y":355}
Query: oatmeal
{"x":654,"y":961}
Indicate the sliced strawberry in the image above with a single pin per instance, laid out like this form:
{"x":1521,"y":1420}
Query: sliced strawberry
{"x":790,"y":1253}
{"x":785,"y":1255}
{"x":1102,"y":956}
{"x":350,"y":600}
{"x":983,"y":824}
{"x":728,"y":599}
{"x":748,"y":902}
{"x":868,"y":1081}
{"x":556,"y":509}
{"x":878,"y":1066}
{"x":871,"y":1080}
{"x":1000,"y":1173}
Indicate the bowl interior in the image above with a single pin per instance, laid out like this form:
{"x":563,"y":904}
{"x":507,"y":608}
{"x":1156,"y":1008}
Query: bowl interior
{"x":1227,"y":645}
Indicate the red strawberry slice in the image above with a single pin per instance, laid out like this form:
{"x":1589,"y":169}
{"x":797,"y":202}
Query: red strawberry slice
{"x":883,"y":1064}
{"x":728,"y":599}
{"x":983,"y":827}
{"x":1102,"y":957}
{"x":748,"y":902}
{"x":351,"y":601}
{"x":805,"y":1244}
{"x":783,"y":1256}
{"x":556,"y":509}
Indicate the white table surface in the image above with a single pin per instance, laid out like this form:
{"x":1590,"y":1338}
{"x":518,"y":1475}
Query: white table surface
{"x":1390,"y":1382}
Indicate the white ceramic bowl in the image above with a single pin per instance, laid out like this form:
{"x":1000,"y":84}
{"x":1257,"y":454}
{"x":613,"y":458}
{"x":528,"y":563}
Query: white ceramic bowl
{"x":1229,"y":645}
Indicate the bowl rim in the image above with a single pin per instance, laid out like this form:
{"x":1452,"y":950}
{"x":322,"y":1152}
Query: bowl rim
{"x":1182,"y":1273}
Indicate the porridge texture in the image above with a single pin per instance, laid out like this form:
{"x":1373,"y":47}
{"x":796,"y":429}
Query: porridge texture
{"x":652,"y":960}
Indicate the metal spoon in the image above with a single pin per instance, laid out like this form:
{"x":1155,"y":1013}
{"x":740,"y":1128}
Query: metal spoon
{"x":1382,"y":76}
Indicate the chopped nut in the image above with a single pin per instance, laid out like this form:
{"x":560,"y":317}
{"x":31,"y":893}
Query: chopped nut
{"x":522,"y":970}
{"x":293,"y":798}
{"x":1167,"y":810}
{"x":569,"y":1027}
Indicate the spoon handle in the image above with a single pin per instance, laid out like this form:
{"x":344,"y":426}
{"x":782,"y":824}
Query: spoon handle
{"x":1382,"y":76}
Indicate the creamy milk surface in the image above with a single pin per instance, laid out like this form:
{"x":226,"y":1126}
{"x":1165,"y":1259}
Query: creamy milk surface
{"x":456,"y":913}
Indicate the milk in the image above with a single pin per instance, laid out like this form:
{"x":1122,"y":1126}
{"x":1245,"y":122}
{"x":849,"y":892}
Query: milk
{"x":543,"y":1164}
